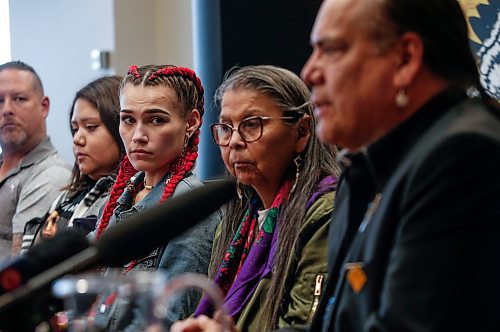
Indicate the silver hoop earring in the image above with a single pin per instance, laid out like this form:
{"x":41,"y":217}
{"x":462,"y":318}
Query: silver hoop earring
{"x":401,"y":98}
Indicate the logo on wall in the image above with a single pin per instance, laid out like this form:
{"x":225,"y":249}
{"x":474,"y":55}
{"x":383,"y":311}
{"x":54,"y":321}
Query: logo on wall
{"x":484,"y":33}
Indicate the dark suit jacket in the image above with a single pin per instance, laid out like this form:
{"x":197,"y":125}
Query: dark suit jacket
{"x":428,"y":257}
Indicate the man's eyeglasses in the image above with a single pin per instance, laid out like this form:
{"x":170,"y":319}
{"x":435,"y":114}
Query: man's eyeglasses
{"x":249,"y":129}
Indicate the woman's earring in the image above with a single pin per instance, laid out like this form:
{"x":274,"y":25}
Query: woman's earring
{"x":186,"y":142}
{"x":239,"y":190}
{"x":298,"y":162}
{"x":180,"y":162}
{"x":401,"y":98}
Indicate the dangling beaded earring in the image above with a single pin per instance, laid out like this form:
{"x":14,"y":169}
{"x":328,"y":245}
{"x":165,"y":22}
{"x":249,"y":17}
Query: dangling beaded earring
{"x":401,"y":98}
{"x":239,"y":190}
{"x":298,"y":162}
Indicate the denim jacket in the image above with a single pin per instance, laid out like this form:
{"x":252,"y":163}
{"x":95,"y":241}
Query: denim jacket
{"x":189,"y":252}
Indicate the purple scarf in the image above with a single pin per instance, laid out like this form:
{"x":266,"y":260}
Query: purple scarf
{"x":245,"y":263}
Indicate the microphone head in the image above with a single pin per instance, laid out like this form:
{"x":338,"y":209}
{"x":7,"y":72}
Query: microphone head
{"x":40,"y":257}
{"x":137,"y":236}
{"x":22,"y":307}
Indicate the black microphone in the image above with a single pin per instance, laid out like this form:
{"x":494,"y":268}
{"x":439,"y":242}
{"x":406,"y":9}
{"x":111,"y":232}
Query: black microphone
{"x":14,"y":274}
{"x":127,"y":241}
{"x":140,"y":235}
{"x":42,"y":256}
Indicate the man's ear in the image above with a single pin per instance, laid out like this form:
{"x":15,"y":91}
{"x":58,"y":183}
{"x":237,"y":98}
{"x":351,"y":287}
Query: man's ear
{"x":304,"y":133}
{"x":410,"y":53}
{"x":193,"y":122}
{"x":46,"y":106}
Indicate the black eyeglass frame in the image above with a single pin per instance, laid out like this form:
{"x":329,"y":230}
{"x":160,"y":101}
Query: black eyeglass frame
{"x":261,"y":119}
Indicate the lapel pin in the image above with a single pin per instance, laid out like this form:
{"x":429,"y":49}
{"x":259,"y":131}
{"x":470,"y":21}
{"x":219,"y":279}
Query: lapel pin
{"x":356,"y":276}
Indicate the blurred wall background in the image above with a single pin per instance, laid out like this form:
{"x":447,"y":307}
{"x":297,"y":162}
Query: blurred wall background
{"x":57,"y":37}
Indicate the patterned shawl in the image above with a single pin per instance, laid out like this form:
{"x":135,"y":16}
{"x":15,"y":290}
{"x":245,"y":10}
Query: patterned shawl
{"x":248,"y":261}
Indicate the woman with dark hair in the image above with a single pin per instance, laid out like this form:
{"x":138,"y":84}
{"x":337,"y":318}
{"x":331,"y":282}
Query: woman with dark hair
{"x":161,"y":113}
{"x":270,"y":254}
{"x":94,"y":127}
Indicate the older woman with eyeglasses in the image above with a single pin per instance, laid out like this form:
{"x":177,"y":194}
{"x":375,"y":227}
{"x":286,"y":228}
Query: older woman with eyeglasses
{"x":270,"y":250}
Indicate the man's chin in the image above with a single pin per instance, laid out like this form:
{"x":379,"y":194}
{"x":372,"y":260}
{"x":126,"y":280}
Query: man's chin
{"x":13,"y":142}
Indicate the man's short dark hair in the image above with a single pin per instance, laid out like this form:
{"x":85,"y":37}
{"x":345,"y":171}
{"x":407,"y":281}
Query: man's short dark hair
{"x":19,"y":65}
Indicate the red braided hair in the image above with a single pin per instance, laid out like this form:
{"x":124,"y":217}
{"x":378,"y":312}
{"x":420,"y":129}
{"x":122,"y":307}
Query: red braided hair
{"x":125,"y":172}
{"x":180,"y":166}
{"x":134,"y":70}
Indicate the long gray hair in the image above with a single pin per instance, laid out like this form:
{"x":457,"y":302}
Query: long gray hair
{"x":292,"y":95}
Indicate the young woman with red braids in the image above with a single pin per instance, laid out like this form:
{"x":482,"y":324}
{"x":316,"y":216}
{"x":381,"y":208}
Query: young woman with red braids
{"x":160,"y":117}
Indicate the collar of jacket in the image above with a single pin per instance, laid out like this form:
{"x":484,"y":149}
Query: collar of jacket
{"x":382,"y":157}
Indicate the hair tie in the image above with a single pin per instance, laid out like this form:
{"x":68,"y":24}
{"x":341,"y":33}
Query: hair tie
{"x":134,"y":70}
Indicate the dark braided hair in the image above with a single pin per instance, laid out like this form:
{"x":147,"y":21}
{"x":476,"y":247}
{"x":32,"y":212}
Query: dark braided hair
{"x":189,"y":91}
